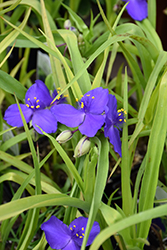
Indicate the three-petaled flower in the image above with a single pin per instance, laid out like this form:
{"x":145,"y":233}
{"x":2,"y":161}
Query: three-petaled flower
{"x":59,"y":236}
{"x":137,"y":9}
{"x":89,"y":116}
{"x":113,"y":123}
{"x":36,"y":108}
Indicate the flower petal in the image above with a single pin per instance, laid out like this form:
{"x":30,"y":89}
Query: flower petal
{"x":78,"y":230}
{"x":72,"y":245}
{"x":12,"y":115}
{"x":137,"y":9}
{"x":112,"y":108}
{"x":45,"y":120}
{"x":38,"y":91}
{"x":91,"y":124}
{"x":93,"y":233}
{"x":56,"y":232}
{"x":68,"y":115}
{"x":95,"y":100}
{"x":114,"y":136}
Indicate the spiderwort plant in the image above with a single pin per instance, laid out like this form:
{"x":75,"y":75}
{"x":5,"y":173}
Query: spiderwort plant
{"x":89,"y":116}
{"x":59,"y":236}
{"x":36,"y":108}
{"x":113,"y":123}
{"x":137,"y":9}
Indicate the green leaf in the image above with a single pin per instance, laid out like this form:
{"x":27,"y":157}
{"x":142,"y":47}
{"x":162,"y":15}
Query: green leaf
{"x":153,"y":157}
{"x":127,"y":222}
{"x":10,"y":38}
{"x":11,"y":85}
{"x":16,"y":207}
{"x":12,"y":6}
{"x":101,"y":178}
{"x":76,"y":59}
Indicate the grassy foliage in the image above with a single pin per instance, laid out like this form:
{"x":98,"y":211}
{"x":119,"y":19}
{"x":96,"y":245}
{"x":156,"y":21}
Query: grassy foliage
{"x":81,"y":60}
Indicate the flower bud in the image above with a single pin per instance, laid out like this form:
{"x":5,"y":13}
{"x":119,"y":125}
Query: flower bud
{"x":82,"y":147}
{"x":64,"y":136}
{"x":67,"y":24}
{"x":80,"y":39}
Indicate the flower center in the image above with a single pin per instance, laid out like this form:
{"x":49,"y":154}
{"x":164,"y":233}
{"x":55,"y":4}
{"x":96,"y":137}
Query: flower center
{"x":86,"y":102}
{"x":121,"y":113}
{"x":33,"y":103}
{"x":79,"y":232}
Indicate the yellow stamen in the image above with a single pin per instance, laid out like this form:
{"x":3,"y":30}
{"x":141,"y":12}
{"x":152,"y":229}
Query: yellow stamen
{"x":27,"y":105}
{"x":122,"y":109}
{"x":76,"y":99}
{"x":82,"y":228}
{"x":58,"y":92}
{"x":82,"y":104}
{"x":120,"y":120}
{"x":83,"y":234}
{"x":119,"y":114}
{"x":74,"y":226}
{"x":58,"y":88}
{"x":28,"y":99}
{"x":32,"y":107}
{"x":124,"y":120}
{"x":80,"y":237}
{"x":81,"y":95}
{"x":70,"y":228}
{"x":58,"y":98}
{"x":87,"y":95}
{"x":37,"y":101}
{"x":37,"y":106}
{"x":125,"y":112}
{"x":77,"y":235}
{"x":93,"y":97}
{"x":65,"y":95}
{"x":119,"y":110}
{"x":35,"y":98}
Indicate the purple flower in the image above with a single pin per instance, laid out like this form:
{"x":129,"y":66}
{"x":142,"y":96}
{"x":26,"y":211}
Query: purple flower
{"x":137,"y":9}
{"x":113,"y":123}
{"x":90,"y":114}
{"x":59,"y":236}
{"x":37,"y":101}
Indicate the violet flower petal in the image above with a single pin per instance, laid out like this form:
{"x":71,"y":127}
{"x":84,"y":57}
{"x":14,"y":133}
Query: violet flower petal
{"x":68,"y":115}
{"x":12,"y":115}
{"x":57,"y":233}
{"x":95,"y":100}
{"x":114,"y":137}
{"x":91,"y":124}
{"x":38,"y":91}
{"x":45,"y":120}
{"x":137,"y":9}
{"x":93,"y":233}
{"x":112,"y":107}
{"x":72,"y":245}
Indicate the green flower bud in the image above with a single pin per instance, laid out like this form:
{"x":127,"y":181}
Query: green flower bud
{"x":67,"y":24}
{"x":64,"y":136}
{"x":82,"y":147}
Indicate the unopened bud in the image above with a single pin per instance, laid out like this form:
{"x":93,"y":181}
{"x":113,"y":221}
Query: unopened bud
{"x":80,"y":39}
{"x":66,"y":135}
{"x":67,"y":24}
{"x":82,"y":147}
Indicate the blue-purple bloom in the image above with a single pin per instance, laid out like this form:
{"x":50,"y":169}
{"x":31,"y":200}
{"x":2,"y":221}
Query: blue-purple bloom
{"x":113,"y":123}
{"x":137,"y":9}
{"x":36,"y":108}
{"x":59,"y":236}
{"x":89,"y":116}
